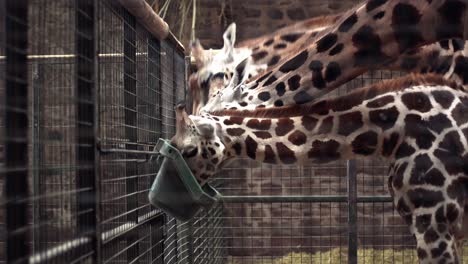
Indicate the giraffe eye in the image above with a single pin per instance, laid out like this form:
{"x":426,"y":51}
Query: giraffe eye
{"x":190,"y":152}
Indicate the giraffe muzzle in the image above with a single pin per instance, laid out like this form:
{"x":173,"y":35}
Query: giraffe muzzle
{"x":175,"y":189}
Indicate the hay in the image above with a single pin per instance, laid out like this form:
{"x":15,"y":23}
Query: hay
{"x":338,"y":256}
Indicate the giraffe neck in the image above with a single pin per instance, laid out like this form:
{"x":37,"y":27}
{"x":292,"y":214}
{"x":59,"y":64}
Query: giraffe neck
{"x":368,"y":122}
{"x":329,"y":63}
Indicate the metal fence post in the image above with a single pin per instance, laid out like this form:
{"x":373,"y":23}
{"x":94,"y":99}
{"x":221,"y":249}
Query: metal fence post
{"x":85,"y":70}
{"x":16,"y":189}
{"x":352,"y":212}
{"x":130,"y":102}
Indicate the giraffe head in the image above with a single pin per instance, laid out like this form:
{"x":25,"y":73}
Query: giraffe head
{"x":198,"y":141}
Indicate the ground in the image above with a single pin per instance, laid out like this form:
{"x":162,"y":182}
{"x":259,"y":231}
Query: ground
{"x":339,"y":255}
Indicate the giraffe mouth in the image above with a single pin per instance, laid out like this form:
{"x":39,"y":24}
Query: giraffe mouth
{"x":175,"y":189}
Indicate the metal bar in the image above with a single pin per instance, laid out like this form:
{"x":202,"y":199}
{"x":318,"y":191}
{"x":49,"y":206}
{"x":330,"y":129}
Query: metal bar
{"x":352,"y":212}
{"x":126,"y":151}
{"x":16,"y":187}
{"x":130,"y":102}
{"x":301,"y":199}
{"x":85,"y":62}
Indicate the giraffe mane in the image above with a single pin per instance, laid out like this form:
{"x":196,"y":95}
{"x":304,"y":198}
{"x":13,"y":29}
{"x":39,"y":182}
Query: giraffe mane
{"x":319,"y":21}
{"x":342,"y":103}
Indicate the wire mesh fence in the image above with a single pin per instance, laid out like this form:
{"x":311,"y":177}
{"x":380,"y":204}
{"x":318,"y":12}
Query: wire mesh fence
{"x":93,"y":91}
{"x":90,"y":91}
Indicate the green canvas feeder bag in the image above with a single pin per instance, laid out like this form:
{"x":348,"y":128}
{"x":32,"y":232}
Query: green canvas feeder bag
{"x":175,"y":189}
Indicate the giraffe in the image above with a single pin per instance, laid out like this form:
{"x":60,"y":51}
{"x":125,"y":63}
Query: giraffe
{"x":439,"y":57}
{"x":322,"y":67}
{"x":216,"y":67}
{"x":416,"y":122}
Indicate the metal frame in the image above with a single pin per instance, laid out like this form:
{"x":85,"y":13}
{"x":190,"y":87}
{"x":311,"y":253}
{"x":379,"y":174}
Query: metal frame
{"x":16,"y":188}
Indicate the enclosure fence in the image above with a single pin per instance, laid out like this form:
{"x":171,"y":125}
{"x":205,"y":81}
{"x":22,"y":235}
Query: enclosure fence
{"x":86,"y":92}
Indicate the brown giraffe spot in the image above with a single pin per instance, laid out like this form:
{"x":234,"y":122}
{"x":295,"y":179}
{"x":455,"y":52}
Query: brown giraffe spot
{"x":349,"y":122}
{"x":270,"y":80}
{"x":211,"y":150}
{"x":278,"y":103}
{"x":294,"y":63}
{"x":236,"y":120}
{"x":297,"y":138}
{"x":420,"y":172}
{"x":251,"y":147}
{"x":259,"y":124}
{"x":264,"y":96}
{"x":405,"y":18}
{"x":379,"y":15}
{"x":336,"y":50}
{"x":291,"y":37}
{"x":320,"y":108}
{"x":459,"y":112}
{"x":423,"y":222}
{"x":461,"y":68}
{"x":309,"y":122}
{"x":280,"y":89}
{"x":324,"y":151}
{"x":274,"y":60}
{"x":380,"y":102}
{"x":452,"y":212}
{"x":458,"y":44}
{"x":417,"y":101}
{"x":430,"y":236}
{"x":259,"y":55}
{"x":317,"y":79}
{"x":368,"y":45}
{"x":438,"y":251}
{"x":270,"y":156}
{"x":418,"y":129}
{"x":439,"y":123}
{"x":422,"y":254}
{"x":237,"y":148}
{"x":399,"y":176}
{"x":421,"y":197}
{"x":444,"y":98}
{"x":452,"y":13}
{"x":450,"y":153}
{"x":235,"y":132}
{"x":365,"y":144}
{"x":326,"y":42}
{"x":405,"y":150}
{"x":332,"y":72}
{"x":384,"y":118}
{"x":373,"y":4}
{"x":294,"y":82}
{"x":215,"y":161}
{"x":286,"y":155}
{"x":390,"y":144}
{"x":348,"y":23}
{"x":456,"y":190}
{"x":284,"y":126}
{"x":280,"y":46}
{"x":262,"y":134}
{"x":326,"y":126}
{"x":268,"y":42}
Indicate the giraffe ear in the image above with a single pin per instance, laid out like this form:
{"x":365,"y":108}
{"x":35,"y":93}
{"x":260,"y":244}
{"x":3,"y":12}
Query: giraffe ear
{"x":198,"y":53}
{"x":229,"y":38}
{"x":203,"y":126}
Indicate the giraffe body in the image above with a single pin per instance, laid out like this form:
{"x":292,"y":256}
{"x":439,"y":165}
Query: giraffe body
{"x":417,"y":123}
